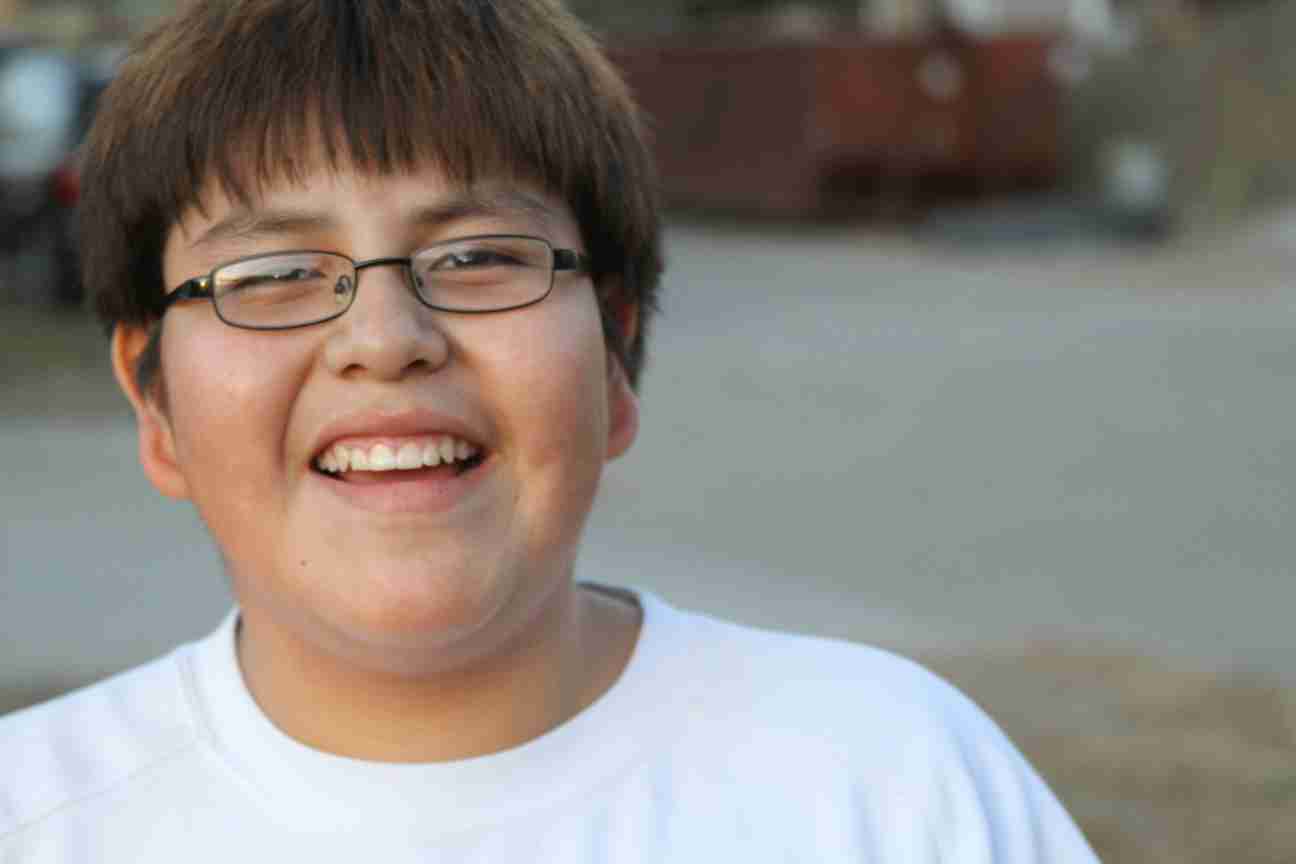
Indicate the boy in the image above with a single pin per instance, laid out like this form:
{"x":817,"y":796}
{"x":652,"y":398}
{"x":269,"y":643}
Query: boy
{"x":379,"y":276}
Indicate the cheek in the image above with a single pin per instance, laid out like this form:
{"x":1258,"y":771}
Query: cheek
{"x":231,"y":397}
{"x":553,"y":378}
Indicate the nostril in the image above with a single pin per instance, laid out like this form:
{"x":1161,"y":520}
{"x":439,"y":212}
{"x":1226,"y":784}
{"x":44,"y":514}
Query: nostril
{"x":419,"y":364}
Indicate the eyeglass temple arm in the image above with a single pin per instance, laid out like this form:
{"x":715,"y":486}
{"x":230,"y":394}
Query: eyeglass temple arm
{"x":570,"y":259}
{"x":198,"y":287}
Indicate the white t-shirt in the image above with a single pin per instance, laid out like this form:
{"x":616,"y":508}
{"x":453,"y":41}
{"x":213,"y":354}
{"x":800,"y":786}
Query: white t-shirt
{"x":718,"y":743}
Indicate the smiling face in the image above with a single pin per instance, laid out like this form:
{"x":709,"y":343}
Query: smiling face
{"x":421,"y":566}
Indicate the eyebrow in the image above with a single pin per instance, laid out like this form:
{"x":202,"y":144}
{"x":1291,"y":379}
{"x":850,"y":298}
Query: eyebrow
{"x":248,"y":223}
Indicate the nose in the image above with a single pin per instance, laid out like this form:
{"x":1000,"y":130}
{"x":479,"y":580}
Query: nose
{"x":387,"y":333}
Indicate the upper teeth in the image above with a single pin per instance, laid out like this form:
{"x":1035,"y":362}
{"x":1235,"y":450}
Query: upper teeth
{"x":430,"y":452}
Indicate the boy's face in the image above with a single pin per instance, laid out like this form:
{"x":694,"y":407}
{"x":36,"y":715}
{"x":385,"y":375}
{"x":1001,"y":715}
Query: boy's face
{"x":399,"y":571}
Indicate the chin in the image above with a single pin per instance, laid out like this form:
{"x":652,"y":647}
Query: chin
{"x":403,"y":612}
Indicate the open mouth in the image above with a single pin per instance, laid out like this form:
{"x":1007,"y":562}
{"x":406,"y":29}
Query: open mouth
{"x":405,"y":460}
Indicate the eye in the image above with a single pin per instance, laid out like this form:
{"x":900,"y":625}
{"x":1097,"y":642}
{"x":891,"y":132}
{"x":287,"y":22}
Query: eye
{"x":295,"y":274}
{"x":458,"y":274}
{"x":473,"y":257}
{"x":254,"y":280}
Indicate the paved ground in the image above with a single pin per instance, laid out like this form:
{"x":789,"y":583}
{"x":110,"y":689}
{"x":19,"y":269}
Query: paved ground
{"x":843,"y":433}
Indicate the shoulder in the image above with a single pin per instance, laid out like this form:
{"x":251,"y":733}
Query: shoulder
{"x":786,"y":675}
{"x":91,"y":740}
{"x":882,"y":740}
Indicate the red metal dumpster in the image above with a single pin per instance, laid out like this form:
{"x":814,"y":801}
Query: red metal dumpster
{"x":804,"y":127}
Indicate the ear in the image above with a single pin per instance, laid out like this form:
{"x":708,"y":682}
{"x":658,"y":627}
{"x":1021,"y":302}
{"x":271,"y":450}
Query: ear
{"x":623,"y":402}
{"x":157,"y":453}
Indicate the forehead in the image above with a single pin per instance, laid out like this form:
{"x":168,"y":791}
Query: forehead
{"x":322,"y":196}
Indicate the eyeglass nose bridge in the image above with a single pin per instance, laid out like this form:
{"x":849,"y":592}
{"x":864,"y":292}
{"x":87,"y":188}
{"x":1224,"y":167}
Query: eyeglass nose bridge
{"x":397,"y":261}
{"x":392,"y":261}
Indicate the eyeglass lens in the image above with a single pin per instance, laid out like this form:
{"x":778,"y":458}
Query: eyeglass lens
{"x":292,"y":289}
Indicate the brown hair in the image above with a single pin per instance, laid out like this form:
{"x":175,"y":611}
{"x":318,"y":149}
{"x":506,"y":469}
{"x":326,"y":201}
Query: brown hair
{"x":227,"y":91}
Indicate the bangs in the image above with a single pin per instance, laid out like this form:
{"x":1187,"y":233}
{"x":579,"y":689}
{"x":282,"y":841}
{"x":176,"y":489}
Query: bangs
{"x":358,"y":86}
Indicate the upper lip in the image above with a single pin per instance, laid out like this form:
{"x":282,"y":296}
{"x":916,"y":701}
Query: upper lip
{"x":394,"y":423}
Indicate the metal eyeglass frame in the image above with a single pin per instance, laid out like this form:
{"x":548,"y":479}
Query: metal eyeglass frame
{"x":200,"y":287}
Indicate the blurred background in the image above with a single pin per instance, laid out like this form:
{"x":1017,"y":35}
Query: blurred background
{"x":976,"y":343}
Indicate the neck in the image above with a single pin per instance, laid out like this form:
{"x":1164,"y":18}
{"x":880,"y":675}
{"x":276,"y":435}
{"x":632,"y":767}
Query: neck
{"x":567,"y":656}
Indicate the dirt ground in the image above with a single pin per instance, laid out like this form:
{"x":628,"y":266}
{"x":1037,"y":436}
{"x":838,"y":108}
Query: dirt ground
{"x":1157,"y":762}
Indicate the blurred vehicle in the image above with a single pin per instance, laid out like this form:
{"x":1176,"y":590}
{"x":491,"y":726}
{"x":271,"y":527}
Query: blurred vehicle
{"x":46,"y":101}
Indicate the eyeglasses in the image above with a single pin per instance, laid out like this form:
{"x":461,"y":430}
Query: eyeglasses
{"x":282,"y":290}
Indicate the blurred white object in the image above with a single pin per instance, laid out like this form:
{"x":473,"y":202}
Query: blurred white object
{"x":897,"y":17}
{"x":38,"y":105}
{"x":1134,"y":174}
{"x":1134,"y":178}
{"x":977,"y":17}
{"x":798,"y":21}
{"x":1090,"y":24}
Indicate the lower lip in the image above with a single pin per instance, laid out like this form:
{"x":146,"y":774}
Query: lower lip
{"x":437,"y":492}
